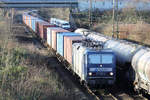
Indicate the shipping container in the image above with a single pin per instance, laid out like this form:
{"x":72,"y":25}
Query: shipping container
{"x":54,"y":36}
{"x":27,"y":20}
{"x":68,"y":42}
{"x":35,"y":22}
{"x":30,"y":20}
{"x":23,"y":18}
{"x":37,"y":30}
{"x":49,"y":35}
{"x":32,"y":23}
{"x":43,"y":29}
{"x":60,"y":41}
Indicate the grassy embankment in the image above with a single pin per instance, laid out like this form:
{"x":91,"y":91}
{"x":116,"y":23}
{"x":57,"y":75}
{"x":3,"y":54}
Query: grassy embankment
{"x":24,"y":74}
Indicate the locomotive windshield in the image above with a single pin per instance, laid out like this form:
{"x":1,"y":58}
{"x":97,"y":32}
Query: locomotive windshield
{"x":107,"y":58}
{"x":100,"y":58}
{"x":94,"y":59}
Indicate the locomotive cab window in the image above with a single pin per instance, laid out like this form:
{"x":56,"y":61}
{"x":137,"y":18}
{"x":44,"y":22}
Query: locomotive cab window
{"x":100,"y":59}
{"x":94,"y":59}
{"x":107,"y":58}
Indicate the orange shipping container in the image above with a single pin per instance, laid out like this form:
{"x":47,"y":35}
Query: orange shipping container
{"x":27,"y":20}
{"x":43,"y":29}
{"x":54,"y":36}
{"x":68,"y":41}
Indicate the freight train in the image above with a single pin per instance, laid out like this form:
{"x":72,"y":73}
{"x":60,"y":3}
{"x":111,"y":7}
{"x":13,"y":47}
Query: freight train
{"x":132,"y":58}
{"x":91,"y":62}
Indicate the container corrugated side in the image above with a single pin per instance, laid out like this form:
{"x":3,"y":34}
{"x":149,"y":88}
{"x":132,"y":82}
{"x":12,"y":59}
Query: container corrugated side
{"x":40,"y":27}
{"x":54,"y":36}
{"x":78,"y":60}
{"x":27,"y":20}
{"x":43,"y":29}
{"x":37,"y":30}
{"x":60,"y":41}
{"x":68,"y":42}
{"x":23,"y":18}
{"x":49,"y":35}
{"x":35,"y":24}
{"x":30,"y":21}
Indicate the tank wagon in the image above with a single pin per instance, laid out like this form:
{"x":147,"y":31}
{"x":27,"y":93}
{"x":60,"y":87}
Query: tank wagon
{"x":141,"y":66}
{"x":92,"y":35}
{"x":98,"y":66}
{"x":124,"y":50}
{"x":132,"y":58}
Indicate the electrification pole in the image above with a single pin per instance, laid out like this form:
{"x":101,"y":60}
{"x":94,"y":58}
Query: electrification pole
{"x":90,"y":13}
{"x":115,"y":30}
{"x":113,"y":19}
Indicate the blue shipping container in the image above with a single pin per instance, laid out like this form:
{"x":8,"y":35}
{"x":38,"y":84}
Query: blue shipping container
{"x":34,"y":20}
{"x":60,"y":41}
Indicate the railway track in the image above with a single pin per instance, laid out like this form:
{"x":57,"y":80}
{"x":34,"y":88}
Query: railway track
{"x":99,"y":94}
{"x":104,"y":94}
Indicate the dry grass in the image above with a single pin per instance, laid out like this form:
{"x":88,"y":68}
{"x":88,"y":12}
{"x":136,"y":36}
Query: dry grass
{"x":26,"y":74}
{"x":22,"y":77}
{"x":62,"y":13}
{"x":139,"y":32}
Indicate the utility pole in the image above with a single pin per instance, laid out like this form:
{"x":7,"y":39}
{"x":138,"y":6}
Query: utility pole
{"x":90,"y":13}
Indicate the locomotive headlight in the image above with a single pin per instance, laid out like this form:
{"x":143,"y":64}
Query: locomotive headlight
{"x":90,"y":74}
{"x":111,"y":73}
